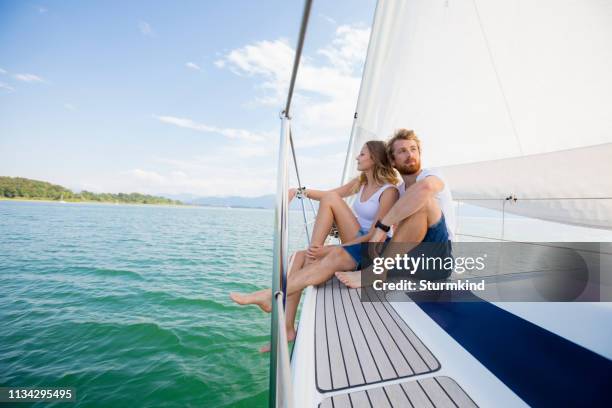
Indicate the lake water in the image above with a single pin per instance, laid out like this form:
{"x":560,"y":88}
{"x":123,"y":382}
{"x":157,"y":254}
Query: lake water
{"x":129,"y":305}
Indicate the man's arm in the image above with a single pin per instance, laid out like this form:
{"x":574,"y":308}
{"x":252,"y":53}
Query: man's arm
{"x":416,"y":196}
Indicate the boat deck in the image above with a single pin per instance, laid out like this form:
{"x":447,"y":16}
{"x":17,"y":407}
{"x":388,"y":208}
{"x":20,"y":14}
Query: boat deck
{"x":363,"y":342}
{"x":386,"y":352}
{"x":427,"y":393}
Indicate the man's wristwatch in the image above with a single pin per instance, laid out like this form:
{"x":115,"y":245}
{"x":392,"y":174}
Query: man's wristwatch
{"x":382,"y":226}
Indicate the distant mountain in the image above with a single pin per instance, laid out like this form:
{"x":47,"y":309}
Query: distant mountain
{"x":265,"y":201}
{"x":185,"y":197}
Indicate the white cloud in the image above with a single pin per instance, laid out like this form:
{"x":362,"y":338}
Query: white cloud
{"x":227,"y":170}
{"x":42,"y":9}
{"x":28,"y":78}
{"x":328,"y":19}
{"x":347,"y":50}
{"x":193,"y":65}
{"x":321,"y":171}
{"x":211,"y":175}
{"x":270,"y":60}
{"x":149,"y":176}
{"x":70,"y":106}
{"x":178,"y":173}
{"x":146,"y":29}
{"x":2,"y":71}
{"x":325,"y":94}
{"x":200,"y":127}
{"x":6,"y":87}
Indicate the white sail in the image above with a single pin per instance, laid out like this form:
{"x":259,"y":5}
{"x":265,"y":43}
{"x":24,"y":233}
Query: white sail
{"x":510,"y":97}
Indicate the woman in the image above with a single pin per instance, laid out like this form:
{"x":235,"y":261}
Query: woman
{"x":376,"y":194}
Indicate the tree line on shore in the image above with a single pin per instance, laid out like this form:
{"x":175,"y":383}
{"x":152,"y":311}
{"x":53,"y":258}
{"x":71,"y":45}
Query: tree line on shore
{"x":19,"y":187}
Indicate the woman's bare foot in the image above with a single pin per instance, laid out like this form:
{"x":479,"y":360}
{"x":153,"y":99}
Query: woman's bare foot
{"x":290,"y":337}
{"x":261,"y":298}
{"x":352,"y":279}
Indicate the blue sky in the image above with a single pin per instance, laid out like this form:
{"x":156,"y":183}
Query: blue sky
{"x":169,"y":98}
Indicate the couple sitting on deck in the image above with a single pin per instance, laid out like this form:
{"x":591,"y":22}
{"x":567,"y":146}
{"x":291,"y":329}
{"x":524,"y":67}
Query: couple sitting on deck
{"x":420,"y":209}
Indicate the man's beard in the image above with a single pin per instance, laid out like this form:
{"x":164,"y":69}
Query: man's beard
{"x":408,"y":169}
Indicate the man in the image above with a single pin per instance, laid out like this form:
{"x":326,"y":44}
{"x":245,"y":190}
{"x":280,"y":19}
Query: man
{"x":424,"y":213}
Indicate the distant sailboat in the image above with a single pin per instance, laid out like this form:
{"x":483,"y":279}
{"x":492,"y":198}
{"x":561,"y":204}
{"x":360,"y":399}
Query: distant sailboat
{"x":62,"y":199}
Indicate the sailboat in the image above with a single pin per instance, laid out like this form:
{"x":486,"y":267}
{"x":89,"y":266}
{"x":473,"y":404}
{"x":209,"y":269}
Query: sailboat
{"x":513,"y":102}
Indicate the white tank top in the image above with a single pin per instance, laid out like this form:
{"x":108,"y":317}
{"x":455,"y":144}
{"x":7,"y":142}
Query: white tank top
{"x":366,"y":211}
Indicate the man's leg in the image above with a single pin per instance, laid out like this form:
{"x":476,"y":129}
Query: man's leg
{"x":408,"y":234}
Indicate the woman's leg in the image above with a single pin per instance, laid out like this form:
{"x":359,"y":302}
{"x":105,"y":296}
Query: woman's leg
{"x":263,"y":298}
{"x":333,"y":208}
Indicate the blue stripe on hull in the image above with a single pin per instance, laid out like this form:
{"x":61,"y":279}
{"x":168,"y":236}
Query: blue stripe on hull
{"x":543,"y":368}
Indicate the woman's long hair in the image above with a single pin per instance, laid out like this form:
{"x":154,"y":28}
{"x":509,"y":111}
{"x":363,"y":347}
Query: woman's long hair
{"x":383,"y":172}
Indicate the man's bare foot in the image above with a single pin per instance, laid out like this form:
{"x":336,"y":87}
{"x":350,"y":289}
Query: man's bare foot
{"x":352,"y":279}
{"x":290,"y":337}
{"x":261,"y":298}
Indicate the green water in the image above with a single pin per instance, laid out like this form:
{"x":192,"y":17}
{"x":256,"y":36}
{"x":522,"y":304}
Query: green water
{"x":128,"y":304}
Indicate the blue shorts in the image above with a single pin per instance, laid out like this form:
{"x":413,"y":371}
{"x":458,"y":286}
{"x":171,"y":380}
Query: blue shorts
{"x":435,"y":244}
{"x":356,"y":250}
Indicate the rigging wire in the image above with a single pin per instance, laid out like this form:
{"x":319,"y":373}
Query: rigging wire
{"x":297,"y":174}
{"x":498,"y":78}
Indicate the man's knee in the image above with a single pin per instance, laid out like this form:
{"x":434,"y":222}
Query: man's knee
{"x":415,"y":219}
{"x":413,"y":228}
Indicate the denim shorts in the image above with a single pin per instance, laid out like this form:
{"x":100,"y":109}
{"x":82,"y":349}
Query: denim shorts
{"x":356,"y":250}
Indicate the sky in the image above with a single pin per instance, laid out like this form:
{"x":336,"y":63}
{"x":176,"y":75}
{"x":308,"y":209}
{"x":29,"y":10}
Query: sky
{"x":175,"y":98}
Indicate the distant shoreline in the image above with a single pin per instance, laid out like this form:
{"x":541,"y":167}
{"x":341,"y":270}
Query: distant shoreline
{"x":184,"y":205}
{"x":38,"y":190}
{"x":43,"y":200}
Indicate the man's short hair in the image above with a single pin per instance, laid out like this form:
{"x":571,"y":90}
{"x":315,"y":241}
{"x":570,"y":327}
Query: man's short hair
{"x":402,"y":134}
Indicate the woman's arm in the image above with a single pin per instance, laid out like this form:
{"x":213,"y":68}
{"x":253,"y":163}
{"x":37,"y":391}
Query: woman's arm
{"x":345,"y":190}
{"x":387,"y":200}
